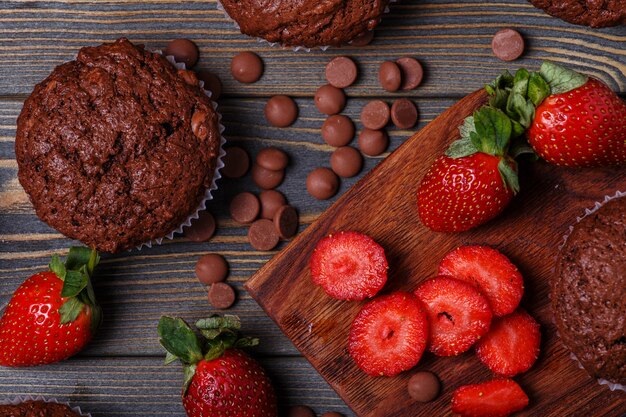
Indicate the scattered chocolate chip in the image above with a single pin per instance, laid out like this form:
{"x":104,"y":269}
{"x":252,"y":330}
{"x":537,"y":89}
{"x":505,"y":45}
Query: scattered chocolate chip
{"x":341,"y":72}
{"x":281,"y":111}
{"x":300,"y":411}
{"x":198,"y":124}
{"x":332,"y":414}
{"x":236,"y":162}
{"x":263,"y":235}
{"x":330,"y":100}
{"x":266,"y":179}
{"x":424,"y":386}
{"x":211,"y":268}
{"x":212,"y":83}
{"x":338,"y":130}
{"x":507,"y":44}
{"x":363,"y":39}
{"x":404,"y":113}
{"x":271,"y":201}
{"x":286,"y":221}
{"x":246,"y":67}
{"x":375,"y":115}
{"x":202,"y":228}
{"x":346,"y":161}
{"x":183,"y":50}
{"x":272,"y":158}
{"x":389,"y":76}
{"x":373,"y":142}
{"x":412,"y":73}
{"x":322,"y":183}
{"x":221,"y":295}
{"x":245,"y":208}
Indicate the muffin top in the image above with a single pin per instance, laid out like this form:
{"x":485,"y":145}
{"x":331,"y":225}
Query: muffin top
{"x":117,"y":147}
{"x":594,"y":13}
{"x":589,"y":295}
{"x":306,"y":23}
{"x":37,"y":409}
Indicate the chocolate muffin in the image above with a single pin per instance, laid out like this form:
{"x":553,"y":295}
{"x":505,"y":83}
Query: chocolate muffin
{"x":37,"y":409}
{"x":306,"y":23}
{"x":589,"y":294}
{"x":117,"y":147}
{"x":594,"y":13}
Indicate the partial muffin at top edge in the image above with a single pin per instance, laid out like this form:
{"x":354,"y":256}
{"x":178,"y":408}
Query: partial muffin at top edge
{"x":589,"y":292}
{"x":117,"y":147}
{"x":37,"y":409}
{"x":307,"y":23}
{"x":592,"y":13}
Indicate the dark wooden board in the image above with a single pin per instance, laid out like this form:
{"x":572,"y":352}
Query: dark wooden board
{"x":383,"y":205}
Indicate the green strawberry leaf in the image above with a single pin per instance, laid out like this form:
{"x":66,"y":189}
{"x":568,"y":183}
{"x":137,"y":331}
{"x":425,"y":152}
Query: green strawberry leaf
{"x":461,"y":148}
{"x":467,"y":127}
{"x":519,"y":147}
{"x":228,"y":321}
{"x":247,"y":342}
{"x":70,"y":310}
{"x":77,"y":257}
{"x":538,"y":89}
{"x":169,"y":358}
{"x":520,"y":110}
{"x":177,"y":338}
{"x":509,"y":175}
{"x":520,"y":82}
{"x":561,"y":79}
{"x":75,"y":282}
{"x":493,"y":131}
{"x":94,"y":260}
{"x":190,"y":371}
{"x":57,"y":267}
{"x":216,"y":349}
{"x":518,"y":129}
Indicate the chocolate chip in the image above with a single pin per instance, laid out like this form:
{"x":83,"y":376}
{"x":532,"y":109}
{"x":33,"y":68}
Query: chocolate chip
{"x":330,"y":100}
{"x":221,"y":295}
{"x":212,"y":83}
{"x":246,"y":67}
{"x":390,"y":76}
{"x":266,"y":179}
{"x":363,"y":39}
{"x":202,"y":228}
{"x":373,"y":142}
{"x":322,"y":183}
{"x":341,"y":72}
{"x":424,"y":386}
{"x":263,"y":235}
{"x":281,"y":111}
{"x":375,"y":115}
{"x":245,"y":208}
{"x":404,"y":113}
{"x":300,"y":411}
{"x":507,"y":44}
{"x":271,"y":201}
{"x":338,"y":130}
{"x":183,"y":50}
{"x":346,"y":161}
{"x":211,"y":268}
{"x":412,"y":73}
{"x":272,"y":158}
{"x":198,"y":125}
{"x":286,"y":221}
{"x":236,"y":162}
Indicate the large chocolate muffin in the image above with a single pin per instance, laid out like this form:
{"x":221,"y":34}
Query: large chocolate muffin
{"x":117,"y":147}
{"x":37,"y":409}
{"x":305,"y":22}
{"x":589,"y":292}
{"x":594,"y":13}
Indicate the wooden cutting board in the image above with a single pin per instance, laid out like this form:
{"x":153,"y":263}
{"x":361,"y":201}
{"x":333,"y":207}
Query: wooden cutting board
{"x":383,"y":205}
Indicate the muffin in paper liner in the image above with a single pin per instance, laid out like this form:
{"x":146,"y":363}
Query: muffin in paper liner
{"x":23,"y":398}
{"x":613,"y":386}
{"x":216,"y":175}
{"x":278,"y":44}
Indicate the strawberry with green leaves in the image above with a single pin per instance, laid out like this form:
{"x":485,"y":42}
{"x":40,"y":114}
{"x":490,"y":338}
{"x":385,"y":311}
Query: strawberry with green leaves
{"x":220,"y":379}
{"x":53,"y":314}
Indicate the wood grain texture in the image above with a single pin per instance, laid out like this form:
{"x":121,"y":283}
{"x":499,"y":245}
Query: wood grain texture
{"x":383,"y":205}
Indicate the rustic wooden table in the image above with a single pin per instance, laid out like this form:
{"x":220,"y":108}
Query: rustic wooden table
{"x":121,"y":372}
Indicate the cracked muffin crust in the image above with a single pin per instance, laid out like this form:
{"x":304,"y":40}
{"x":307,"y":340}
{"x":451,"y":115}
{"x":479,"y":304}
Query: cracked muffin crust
{"x":594,"y":13}
{"x":117,"y":147}
{"x":306,"y":23}
{"x":37,"y":409}
{"x":589,"y":295}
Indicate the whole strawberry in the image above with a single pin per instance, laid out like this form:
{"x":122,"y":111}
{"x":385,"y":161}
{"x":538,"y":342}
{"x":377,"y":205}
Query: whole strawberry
{"x":220,"y":379}
{"x":53,"y":314}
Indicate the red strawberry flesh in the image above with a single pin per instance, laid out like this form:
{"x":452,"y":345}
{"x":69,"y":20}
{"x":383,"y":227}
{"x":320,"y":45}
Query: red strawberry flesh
{"x":496,"y":398}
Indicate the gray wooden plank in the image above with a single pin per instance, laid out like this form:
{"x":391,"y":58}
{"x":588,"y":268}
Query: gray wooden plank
{"x":112,"y":387}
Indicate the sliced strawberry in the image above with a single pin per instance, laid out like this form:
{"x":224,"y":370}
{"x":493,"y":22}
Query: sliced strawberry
{"x":349,"y":266}
{"x":458,"y":314}
{"x":512,"y":344}
{"x":489,"y":270}
{"x":496,"y":398}
{"x":389,"y":334}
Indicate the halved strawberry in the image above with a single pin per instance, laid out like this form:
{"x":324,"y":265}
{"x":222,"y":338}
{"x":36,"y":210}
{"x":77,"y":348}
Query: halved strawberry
{"x":389,"y":334}
{"x":349,"y":266}
{"x":490,"y":271}
{"x":458,"y":314}
{"x":512,"y":344}
{"x":496,"y":398}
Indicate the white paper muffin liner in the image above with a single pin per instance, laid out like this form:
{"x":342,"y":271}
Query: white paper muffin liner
{"x":216,"y":175}
{"x":278,"y":44}
{"x":613,"y":386}
{"x":22,"y":398}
